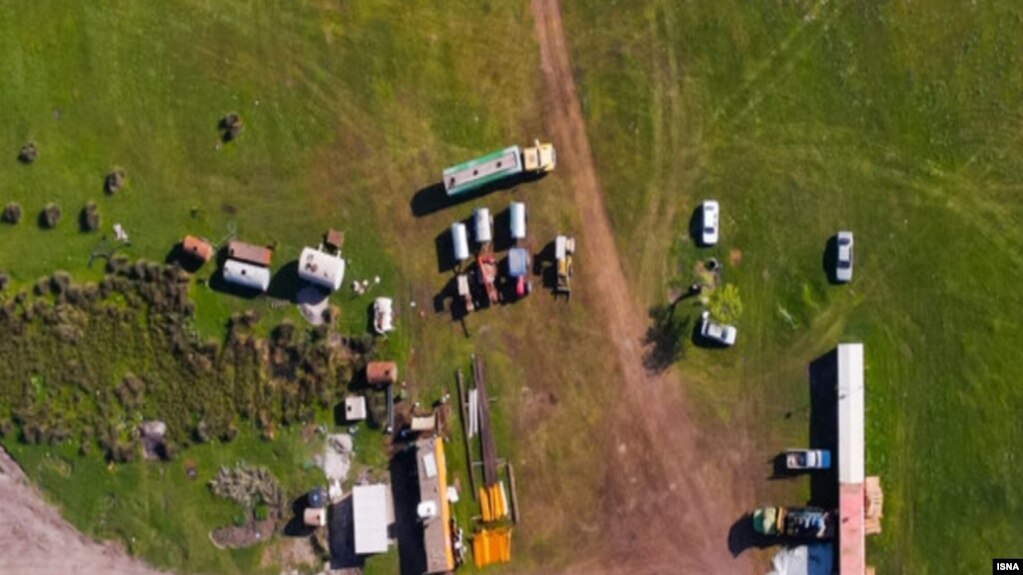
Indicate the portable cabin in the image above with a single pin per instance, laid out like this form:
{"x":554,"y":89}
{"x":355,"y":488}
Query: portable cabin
{"x":320,"y":268}
{"x":199,"y":249}
{"x":460,"y":241}
{"x":481,"y":171}
{"x":517,"y":213}
{"x":482,"y":222}
{"x":246,"y":275}
{"x":249,"y":253}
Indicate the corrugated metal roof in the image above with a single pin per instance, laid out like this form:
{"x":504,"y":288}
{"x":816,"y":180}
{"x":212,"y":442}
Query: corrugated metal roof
{"x":249,"y":253}
{"x":850,"y":413}
{"x":370,"y":515}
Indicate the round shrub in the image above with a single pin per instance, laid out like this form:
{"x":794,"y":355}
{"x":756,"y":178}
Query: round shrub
{"x":11,"y":213}
{"x":50,"y":216}
{"x":89,"y":219}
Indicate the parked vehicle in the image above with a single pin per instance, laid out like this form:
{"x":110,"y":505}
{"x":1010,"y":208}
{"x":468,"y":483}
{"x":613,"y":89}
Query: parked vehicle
{"x":710,"y":216}
{"x":518,"y":270}
{"x":795,"y":522}
{"x":844,"y":261}
{"x":716,"y":332}
{"x":476,"y":173}
{"x":808,"y":459}
{"x":488,"y":275}
{"x":564,"y":248}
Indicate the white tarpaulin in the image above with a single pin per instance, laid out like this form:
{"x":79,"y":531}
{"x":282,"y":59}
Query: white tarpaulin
{"x":804,"y":560}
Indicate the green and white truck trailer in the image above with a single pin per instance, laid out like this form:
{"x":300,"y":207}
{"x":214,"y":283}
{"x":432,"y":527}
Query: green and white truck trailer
{"x":474,"y":174}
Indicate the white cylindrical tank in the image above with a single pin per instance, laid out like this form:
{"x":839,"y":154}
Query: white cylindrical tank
{"x":517,"y":212}
{"x":460,"y":241}
{"x":246,"y":275}
{"x":481,"y":223}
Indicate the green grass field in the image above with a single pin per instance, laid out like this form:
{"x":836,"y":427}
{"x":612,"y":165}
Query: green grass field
{"x":349,"y":111}
{"x":899,"y":121}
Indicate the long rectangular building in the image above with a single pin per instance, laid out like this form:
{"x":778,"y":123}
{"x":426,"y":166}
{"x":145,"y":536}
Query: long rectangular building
{"x":851,"y":494}
{"x":433,"y":497}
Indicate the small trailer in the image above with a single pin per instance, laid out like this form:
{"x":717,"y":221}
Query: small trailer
{"x":460,"y":242}
{"x":483,"y":226}
{"x":517,"y":215}
{"x":488,"y":275}
{"x":518,"y":270}
{"x":564,"y":249}
{"x":794,"y":522}
{"x":465,"y":292}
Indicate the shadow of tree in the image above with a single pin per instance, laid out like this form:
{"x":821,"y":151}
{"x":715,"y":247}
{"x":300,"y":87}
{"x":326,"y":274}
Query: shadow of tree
{"x":666,"y":337}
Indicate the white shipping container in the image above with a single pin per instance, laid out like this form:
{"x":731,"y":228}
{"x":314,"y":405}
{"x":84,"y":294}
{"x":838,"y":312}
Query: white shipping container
{"x":482,"y":223}
{"x":460,"y":241}
{"x":517,"y":212}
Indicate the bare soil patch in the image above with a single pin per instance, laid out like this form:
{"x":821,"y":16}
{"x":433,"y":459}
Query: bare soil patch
{"x":672,"y":491}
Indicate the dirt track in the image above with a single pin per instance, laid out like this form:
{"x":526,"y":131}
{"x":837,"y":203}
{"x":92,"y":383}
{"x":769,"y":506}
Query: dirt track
{"x":36,"y":540}
{"x":672,"y":493}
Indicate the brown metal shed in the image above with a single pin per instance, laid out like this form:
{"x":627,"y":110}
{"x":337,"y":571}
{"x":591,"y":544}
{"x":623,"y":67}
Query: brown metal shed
{"x":197,"y":248}
{"x":381,"y":372}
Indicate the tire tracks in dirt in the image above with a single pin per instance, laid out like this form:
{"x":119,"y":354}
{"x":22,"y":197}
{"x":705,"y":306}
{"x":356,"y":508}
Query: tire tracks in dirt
{"x":672,"y":493}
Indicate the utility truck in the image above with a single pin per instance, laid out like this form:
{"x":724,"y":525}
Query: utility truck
{"x":537,"y":160}
{"x":795,"y":522}
{"x":564,"y":248}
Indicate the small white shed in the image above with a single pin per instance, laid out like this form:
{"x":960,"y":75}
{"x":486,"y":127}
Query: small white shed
{"x":355,"y":408}
{"x":246,"y":275}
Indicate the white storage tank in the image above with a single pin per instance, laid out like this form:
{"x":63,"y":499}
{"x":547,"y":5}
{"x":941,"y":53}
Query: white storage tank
{"x":460,"y":241}
{"x":247,"y":275}
{"x":321,"y":268}
{"x":517,"y":213}
{"x":482,"y":222}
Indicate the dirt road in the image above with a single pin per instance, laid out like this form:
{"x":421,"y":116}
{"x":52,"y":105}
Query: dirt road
{"x":672,"y":492}
{"x":34,"y":539}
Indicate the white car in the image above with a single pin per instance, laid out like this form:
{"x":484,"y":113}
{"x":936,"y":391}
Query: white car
{"x":709,"y":221}
{"x":844,"y":261}
{"x":716,"y":332}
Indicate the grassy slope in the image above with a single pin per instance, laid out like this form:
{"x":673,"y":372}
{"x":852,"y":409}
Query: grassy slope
{"x":156,"y":510}
{"x":348,"y":112}
{"x":898,"y":121}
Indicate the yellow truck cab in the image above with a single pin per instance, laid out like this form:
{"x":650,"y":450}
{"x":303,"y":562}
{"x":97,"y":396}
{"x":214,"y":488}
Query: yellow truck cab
{"x":540,"y":158}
